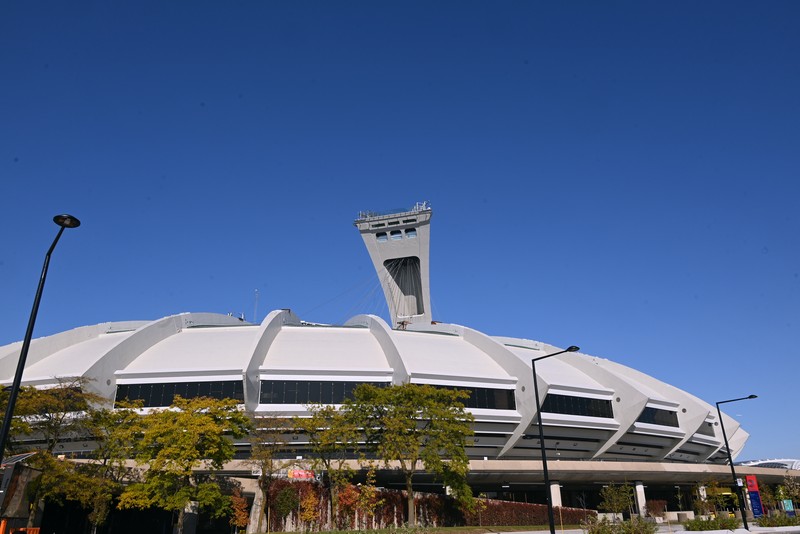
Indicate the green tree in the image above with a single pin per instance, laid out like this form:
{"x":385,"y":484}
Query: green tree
{"x":791,"y":487}
{"x":51,"y":416}
{"x":173,"y":443}
{"x":616,"y":498}
{"x":116,"y":432}
{"x":332,"y":436}
{"x":417,"y":426}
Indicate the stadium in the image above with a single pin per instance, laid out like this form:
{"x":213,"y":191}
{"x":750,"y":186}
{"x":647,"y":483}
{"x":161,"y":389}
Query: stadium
{"x":603,"y":422}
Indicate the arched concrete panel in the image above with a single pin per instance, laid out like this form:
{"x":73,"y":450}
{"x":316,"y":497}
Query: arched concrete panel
{"x":631,"y":400}
{"x":267,"y":332}
{"x":43,"y":347}
{"x":516,"y":368}
{"x":101,"y":373}
{"x":383,"y":335}
{"x":737,"y":441}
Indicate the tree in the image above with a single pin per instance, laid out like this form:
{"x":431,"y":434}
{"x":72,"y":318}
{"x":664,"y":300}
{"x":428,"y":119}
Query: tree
{"x":267,"y":443}
{"x":332,"y":437}
{"x":175,"y":442}
{"x":791,"y":487}
{"x":616,"y":498}
{"x":417,"y":426}
{"x":51,"y":416}
{"x":116,"y":432}
{"x":239,"y":518}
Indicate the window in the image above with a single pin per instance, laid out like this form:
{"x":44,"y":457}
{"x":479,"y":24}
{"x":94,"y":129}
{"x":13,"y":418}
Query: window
{"x":706,"y":429}
{"x":396,"y":234}
{"x":655,"y":416}
{"x":411,"y":233}
{"x":308,"y":392}
{"x":569,"y":405}
{"x":163,"y":394}
{"x":381,"y":236}
{"x":489,"y":398}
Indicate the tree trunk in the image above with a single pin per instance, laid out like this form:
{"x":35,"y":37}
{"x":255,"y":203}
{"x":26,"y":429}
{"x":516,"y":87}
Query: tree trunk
{"x":261,"y":507}
{"x":35,"y":516}
{"x":412,"y":512}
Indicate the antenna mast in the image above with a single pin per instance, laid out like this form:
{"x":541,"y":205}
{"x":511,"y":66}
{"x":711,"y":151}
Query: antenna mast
{"x":255,"y":309}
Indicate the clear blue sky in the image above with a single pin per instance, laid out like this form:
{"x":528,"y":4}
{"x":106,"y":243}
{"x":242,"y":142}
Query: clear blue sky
{"x":621,"y":176}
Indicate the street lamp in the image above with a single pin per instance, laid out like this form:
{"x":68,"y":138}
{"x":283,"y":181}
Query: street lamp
{"x":571,"y":348}
{"x":730,"y":460}
{"x":64,"y":221}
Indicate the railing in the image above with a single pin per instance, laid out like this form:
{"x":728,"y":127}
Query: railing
{"x":419,"y":206}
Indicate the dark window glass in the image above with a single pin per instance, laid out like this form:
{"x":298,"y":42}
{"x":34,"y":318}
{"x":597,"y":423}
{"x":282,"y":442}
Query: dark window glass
{"x":707,"y":429}
{"x":487,"y":398}
{"x":290,"y":392}
{"x":326,"y":392}
{"x":314,"y":392}
{"x":159,"y":395}
{"x":307,"y":392}
{"x":192,"y":390}
{"x":656,"y":416}
{"x":338,"y":393}
{"x":168,"y":395}
{"x":569,"y":405}
{"x":146,"y":394}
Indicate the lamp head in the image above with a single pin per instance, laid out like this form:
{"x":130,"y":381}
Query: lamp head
{"x":66,"y":221}
{"x":752,"y":397}
{"x":573,"y":348}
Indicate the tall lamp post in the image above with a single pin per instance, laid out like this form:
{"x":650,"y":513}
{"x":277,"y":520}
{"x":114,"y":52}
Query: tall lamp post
{"x":571,"y":348}
{"x":730,"y":459}
{"x":64,"y":221}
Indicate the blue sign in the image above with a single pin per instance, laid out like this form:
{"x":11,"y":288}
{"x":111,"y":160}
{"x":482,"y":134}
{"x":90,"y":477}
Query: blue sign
{"x":788,"y":507}
{"x":755,"y":503}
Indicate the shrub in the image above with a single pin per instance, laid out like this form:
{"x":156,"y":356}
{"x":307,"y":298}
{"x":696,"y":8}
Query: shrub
{"x":778,"y":520}
{"x":598,"y":526}
{"x":507,"y":513}
{"x":636,"y":525}
{"x":714,"y":523}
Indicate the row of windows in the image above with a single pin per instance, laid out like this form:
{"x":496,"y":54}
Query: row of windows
{"x":288,"y":392}
{"x":394,"y":235}
{"x":656,"y":416}
{"x":493,"y":399}
{"x":153,"y":395}
{"x":394,"y":223}
{"x":569,"y":405}
{"x":303,"y":392}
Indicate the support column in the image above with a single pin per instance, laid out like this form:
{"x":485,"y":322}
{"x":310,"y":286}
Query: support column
{"x":640,"y":498}
{"x":555,"y":494}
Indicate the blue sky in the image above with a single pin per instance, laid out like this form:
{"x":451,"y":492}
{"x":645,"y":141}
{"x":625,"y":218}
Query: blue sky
{"x":621,"y":176}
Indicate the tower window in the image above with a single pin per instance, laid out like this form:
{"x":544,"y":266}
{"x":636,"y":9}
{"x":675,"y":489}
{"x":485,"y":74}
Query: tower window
{"x":396,"y":234}
{"x":381,"y":236}
{"x":411,"y":233}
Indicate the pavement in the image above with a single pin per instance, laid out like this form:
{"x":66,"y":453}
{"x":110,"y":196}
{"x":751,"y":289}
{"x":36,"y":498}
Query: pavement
{"x":670,"y":529}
